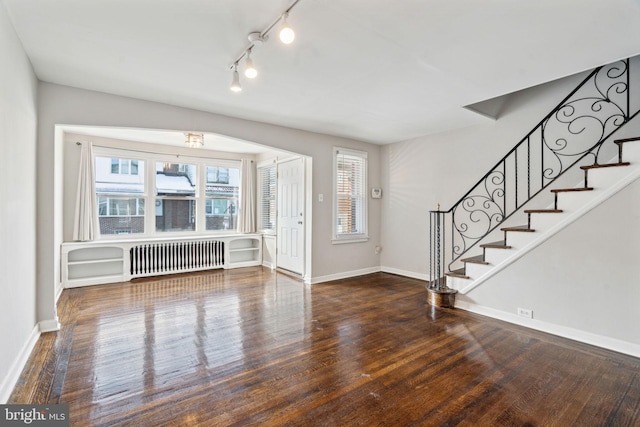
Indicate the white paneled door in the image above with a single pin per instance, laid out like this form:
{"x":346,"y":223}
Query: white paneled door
{"x":290,"y":251}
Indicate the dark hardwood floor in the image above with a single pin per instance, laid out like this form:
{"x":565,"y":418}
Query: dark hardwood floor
{"x":255,"y":347}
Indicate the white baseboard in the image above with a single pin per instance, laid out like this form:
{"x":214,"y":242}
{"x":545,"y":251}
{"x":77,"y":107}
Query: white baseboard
{"x":405,"y":273}
{"x":559,"y":330}
{"x":269,"y":265}
{"x":59,"y":289}
{"x":50,"y":325}
{"x":343,"y":275}
{"x":9,"y":382}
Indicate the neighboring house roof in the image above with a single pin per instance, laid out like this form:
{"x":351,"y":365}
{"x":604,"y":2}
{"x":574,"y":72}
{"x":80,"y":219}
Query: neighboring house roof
{"x":119,"y":187}
{"x":174,"y":185}
{"x":166,"y":185}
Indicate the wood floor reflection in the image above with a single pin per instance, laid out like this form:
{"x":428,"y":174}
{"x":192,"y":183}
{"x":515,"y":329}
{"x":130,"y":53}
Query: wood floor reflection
{"x":256,"y":347}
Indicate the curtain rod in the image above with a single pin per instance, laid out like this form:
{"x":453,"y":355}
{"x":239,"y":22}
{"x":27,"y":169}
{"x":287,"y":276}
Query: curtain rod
{"x":165,"y":154}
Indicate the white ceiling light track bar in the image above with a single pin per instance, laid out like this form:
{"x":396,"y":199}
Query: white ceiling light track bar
{"x":286,"y":35}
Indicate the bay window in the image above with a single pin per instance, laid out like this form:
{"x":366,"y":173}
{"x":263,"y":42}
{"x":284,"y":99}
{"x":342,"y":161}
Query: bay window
{"x":150,"y":194}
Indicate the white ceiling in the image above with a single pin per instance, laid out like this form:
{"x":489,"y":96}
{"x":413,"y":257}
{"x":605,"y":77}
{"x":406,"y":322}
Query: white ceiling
{"x":375,"y":70}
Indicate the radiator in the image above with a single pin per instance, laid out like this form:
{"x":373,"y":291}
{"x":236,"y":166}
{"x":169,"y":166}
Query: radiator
{"x":154,"y":259}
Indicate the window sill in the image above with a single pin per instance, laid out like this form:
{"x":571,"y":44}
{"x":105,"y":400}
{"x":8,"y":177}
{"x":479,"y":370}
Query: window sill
{"x":160,"y":235}
{"x":349,"y":240}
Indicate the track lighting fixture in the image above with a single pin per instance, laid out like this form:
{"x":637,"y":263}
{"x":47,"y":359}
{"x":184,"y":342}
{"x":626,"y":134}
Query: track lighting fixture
{"x":249,"y":70}
{"x":235,"y":83}
{"x":286,"y":35}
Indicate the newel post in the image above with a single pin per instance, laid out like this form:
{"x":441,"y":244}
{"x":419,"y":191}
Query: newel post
{"x":438,"y":293}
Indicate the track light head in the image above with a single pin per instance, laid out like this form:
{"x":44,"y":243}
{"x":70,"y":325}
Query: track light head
{"x":287,"y":35}
{"x":257,"y":38}
{"x":235,"y":83}
{"x":250,"y":70}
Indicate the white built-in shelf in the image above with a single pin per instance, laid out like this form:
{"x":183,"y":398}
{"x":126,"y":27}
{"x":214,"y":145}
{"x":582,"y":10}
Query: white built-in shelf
{"x":92,"y":265}
{"x":108,"y":261}
{"x":95,"y":261}
{"x":246,"y":251}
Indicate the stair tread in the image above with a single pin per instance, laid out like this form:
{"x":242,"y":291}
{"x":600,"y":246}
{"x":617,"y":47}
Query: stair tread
{"x":457,"y":273}
{"x":566,"y":190}
{"x":606,"y":165}
{"x":478,"y":259}
{"x":543,"y":211}
{"x":501,"y":244}
{"x":522,"y":228}
{"x":620,"y":141}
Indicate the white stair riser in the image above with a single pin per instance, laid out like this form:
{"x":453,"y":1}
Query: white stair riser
{"x":573,"y":201}
{"x":457,"y":283}
{"x":477,"y":270}
{"x":631,"y":152}
{"x":496,"y":256}
{"x":544,"y":221}
{"x":518,"y":240}
{"x":604,"y":177}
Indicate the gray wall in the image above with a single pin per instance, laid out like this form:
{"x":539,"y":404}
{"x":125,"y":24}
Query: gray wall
{"x":18,"y":97}
{"x":61,"y":105}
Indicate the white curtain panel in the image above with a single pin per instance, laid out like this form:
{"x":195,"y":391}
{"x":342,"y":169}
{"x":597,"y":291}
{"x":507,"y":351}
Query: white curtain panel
{"x":86,"y":226}
{"x":247,"y":213}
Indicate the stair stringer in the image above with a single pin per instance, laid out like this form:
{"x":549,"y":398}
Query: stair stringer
{"x":598,"y":196}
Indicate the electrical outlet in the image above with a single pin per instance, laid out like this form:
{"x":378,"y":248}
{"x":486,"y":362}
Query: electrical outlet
{"x":525,"y":312}
{"x":321,"y":197}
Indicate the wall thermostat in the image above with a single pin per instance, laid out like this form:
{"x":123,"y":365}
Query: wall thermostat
{"x":376,"y":193}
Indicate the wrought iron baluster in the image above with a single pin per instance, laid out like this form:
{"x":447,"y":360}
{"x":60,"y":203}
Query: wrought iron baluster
{"x":528,"y":168}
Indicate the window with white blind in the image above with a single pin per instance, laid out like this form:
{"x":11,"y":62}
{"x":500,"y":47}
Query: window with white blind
{"x":350,"y":201}
{"x":267,"y":186}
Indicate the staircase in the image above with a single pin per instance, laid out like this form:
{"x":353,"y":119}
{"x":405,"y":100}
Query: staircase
{"x":601,"y":181}
{"x":513,"y":208}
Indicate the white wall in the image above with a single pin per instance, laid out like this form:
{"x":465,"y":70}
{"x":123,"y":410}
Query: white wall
{"x":65,"y":105}
{"x":18,"y":97}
